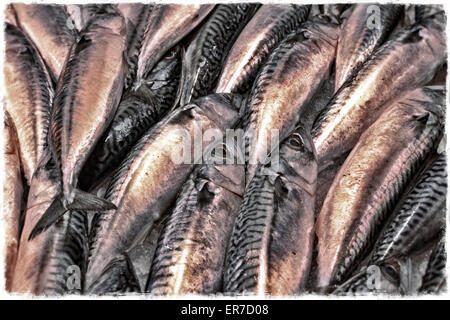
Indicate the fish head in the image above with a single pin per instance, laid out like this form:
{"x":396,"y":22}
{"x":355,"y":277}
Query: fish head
{"x":298,"y":157}
{"x":221,"y":109}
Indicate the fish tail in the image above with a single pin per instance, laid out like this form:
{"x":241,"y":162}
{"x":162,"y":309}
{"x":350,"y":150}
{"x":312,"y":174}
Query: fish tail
{"x":81,"y":201}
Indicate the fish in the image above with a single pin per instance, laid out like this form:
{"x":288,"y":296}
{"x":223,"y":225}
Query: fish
{"x":270,"y":249}
{"x":361,"y":35}
{"x":190,"y":254}
{"x":421,"y":216}
{"x":86,"y":99}
{"x":168,"y":24}
{"x":286,"y":84}
{"x":372,"y":179}
{"x":28,"y":97}
{"x":435,"y":278}
{"x":48,"y":27}
{"x":136,"y":17}
{"x":13,"y":191}
{"x":52,"y":262}
{"x":137,"y":112}
{"x":205,"y":54}
{"x":415,"y":54}
{"x":146,"y":183}
{"x":261,"y":35}
{"x":423,"y":11}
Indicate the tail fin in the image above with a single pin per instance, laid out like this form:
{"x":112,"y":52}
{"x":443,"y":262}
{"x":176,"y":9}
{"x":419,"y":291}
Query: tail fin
{"x":83,"y":201}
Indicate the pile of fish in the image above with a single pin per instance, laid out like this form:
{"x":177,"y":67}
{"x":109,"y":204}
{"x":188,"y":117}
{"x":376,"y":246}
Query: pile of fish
{"x":242,"y":148}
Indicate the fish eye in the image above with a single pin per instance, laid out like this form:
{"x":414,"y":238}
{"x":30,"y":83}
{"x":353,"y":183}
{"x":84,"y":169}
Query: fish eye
{"x":391,"y":273}
{"x":296,"y":142}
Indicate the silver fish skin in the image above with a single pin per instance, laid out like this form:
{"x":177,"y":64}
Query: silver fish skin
{"x":136,"y":18}
{"x":52,"y":262}
{"x":87,"y":96}
{"x":420,"y":218}
{"x":13,"y":192}
{"x":150,"y":169}
{"x":435,"y":278}
{"x":28,"y":97}
{"x":191,"y":252}
{"x":205,"y":55}
{"x":371,"y":180}
{"x":137,"y":112}
{"x":359,"y":38}
{"x":270,"y":249}
{"x":261,"y":35}
{"x":47,"y":26}
{"x":399,"y":65}
{"x":286,"y":84}
{"x":168,"y":24}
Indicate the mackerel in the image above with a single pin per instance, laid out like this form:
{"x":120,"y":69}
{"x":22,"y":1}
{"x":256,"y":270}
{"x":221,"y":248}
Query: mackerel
{"x":191,"y":251}
{"x":420,"y":218}
{"x":372,"y":179}
{"x":206,"y":53}
{"x":360,"y":37}
{"x":168,"y":24}
{"x":421,"y":49}
{"x":258,"y":39}
{"x":435,"y":278}
{"x":286,"y":85}
{"x":271,"y":246}
{"x":147,"y":182}
{"x":47,"y":26}
{"x":29,"y":97}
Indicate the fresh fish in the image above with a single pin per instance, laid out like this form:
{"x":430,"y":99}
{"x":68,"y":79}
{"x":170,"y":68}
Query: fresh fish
{"x":421,"y":217}
{"x":335,"y":9}
{"x":191,"y":251}
{"x":48,"y":27}
{"x":404,"y":63}
{"x":205,"y":54}
{"x":271,"y":246}
{"x":137,"y":112}
{"x":361,"y":34}
{"x":286,"y":84}
{"x":86,"y":99}
{"x":28,"y":97}
{"x":263,"y":33}
{"x":136,"y":17}
{"x":52,"y":262}
{"x":168,"y":24}
{"x":12,"y":198}
{"x":435,"y":278}
{"x":372,"y":179}
{"x":147,"y":182}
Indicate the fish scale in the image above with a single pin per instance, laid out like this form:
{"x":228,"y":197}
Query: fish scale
{"x":421,"y":211}
{"x":419,"y":116}
{"x":251,"y":50}
{"x":214,"y":41}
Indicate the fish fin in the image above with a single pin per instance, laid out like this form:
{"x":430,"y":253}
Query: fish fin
{"x":55,"y":211}
{"x":89,"y":202}
{"x":82,"y":201}
{"x":181,"y":82}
